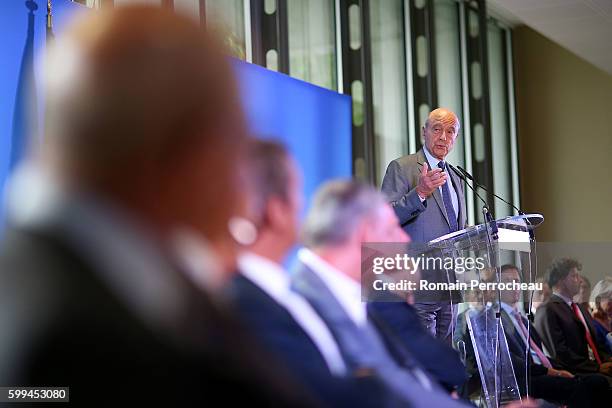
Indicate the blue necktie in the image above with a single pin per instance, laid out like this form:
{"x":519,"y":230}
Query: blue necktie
{"x":448,"y":203}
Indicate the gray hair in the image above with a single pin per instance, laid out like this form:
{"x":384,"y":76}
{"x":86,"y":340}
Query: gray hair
{"x":603,"y":289}
{"x":337,"y":208}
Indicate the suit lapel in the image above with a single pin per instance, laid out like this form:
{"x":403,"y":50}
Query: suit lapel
{"x":394,"y":345}
{"x":353,"y":347}
{"x":589,"y":323}
{"x":557,"y":299}
{"x":309,"y":285}
{"x":512,"y":333}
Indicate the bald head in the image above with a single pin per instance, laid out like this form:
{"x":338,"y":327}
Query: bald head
{"x":440,"y":132}
{"x":442,"y":115}
{"x":143,"y":109}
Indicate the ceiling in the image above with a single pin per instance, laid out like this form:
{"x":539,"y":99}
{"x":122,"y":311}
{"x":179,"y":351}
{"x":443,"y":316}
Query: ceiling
{"x":582,"y":26}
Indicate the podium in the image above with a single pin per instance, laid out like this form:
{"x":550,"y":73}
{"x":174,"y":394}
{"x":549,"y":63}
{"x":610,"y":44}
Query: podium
{"x":478,"y":333}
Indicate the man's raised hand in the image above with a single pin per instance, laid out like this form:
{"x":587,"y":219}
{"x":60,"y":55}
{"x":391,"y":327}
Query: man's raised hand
{"x":429,"y":181}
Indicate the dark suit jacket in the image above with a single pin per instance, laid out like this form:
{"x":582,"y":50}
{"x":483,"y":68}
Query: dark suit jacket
{"x":516,"y":348}
{"x":581,"y":391}
{"x":565,"y":337}
{"x":281,"y":335}
{"x":438,"y":359}
{"x":69,"y":327}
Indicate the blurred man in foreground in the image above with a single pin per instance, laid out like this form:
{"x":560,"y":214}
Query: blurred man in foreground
{"x":135,"y":179}
{"x":344,"y":215}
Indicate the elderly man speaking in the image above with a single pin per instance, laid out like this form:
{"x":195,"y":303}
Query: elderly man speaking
{"x":428,"y":199}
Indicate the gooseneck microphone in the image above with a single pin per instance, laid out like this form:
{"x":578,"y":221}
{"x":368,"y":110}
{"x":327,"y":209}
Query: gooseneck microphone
{"x":465,"y":178}
{"x":470,"y":177}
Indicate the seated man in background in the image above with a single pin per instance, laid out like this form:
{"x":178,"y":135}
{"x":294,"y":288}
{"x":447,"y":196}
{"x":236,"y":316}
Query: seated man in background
{"x":142,"y":109}
{"x":344,"y":215}
{"x":566,"y":328}
{"x":545,"y":381}
{"x":283,"y":321}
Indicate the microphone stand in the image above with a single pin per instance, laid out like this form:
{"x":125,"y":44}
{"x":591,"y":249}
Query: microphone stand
{"x":463,"y":174}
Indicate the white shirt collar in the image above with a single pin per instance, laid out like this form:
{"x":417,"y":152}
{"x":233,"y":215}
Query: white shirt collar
{"x":433,"y":161}
{"x":565,"y":299}
{"x":344,"y":289}
{"x":508,"y":308}
{"x":268,"y":275}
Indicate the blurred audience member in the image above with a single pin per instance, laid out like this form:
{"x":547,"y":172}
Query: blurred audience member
{"x":540,"y":296}
{"x":283,"y":321}
{"x":138,"y":168}
{"x":546,"y":380}
{"x":584,"y":294}
{"x":344,"y":215}
{"x":567,"y":328}
{"x":601,"y":297}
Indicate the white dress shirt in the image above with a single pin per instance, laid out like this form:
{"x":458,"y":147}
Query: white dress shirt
{"x":510,"y":310}
{"x":346,"y":290}
{"x":274,"y":281}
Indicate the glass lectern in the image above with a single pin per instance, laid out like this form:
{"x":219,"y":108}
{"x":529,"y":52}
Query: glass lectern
{"x":478,"y":330}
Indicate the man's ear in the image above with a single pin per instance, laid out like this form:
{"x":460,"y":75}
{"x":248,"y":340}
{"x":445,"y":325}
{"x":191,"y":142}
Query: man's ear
{"x":364,"y":231}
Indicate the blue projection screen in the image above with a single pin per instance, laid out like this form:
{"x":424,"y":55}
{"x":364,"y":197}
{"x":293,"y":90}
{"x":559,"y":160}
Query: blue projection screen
{"x":314,"y":123}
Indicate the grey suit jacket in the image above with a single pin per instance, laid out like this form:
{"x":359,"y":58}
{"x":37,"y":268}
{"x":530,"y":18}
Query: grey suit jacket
{"x":422,"y":221}
{"x":360,"y":354}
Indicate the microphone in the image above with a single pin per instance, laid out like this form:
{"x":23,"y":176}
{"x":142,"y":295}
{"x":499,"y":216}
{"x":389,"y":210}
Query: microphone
{"x":465,"y":177}
{"x":486,"y":211}
{"x":520,"y":212}
{"x":469,"y":176}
